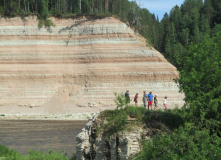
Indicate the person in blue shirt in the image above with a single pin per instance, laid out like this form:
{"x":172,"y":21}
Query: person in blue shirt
{"x":127,"y":97}
{"x":150,"y":100}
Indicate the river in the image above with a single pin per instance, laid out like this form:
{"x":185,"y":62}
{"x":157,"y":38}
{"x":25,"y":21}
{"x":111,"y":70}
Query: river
{"x":44,"y":135}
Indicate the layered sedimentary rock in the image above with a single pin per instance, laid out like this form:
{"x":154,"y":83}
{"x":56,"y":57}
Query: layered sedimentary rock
{"x":98,"y":147}
{"x":79,"y":62}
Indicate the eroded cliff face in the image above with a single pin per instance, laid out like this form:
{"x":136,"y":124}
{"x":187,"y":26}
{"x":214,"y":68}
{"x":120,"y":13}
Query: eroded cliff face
{"x":99,"y":147}
{"x":78,"y":63}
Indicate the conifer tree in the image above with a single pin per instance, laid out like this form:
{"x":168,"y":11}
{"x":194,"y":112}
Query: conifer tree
{"x":208,"y":10}
{"x":43,"y":9}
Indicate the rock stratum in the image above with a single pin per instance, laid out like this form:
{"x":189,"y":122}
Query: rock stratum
{"x":78,"y":65}
{"x":97,"y":142}
{"x":98,"y":147}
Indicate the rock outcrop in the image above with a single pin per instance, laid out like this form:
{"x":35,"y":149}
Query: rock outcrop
{"x":79,"y":63}
{"x":119,"y":147}
{"x":120,"y":134}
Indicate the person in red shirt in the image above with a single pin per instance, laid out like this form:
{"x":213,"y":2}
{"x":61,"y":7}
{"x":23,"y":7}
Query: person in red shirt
{"x":136,"y":99}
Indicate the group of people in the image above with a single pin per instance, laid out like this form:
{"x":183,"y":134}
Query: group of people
{"x":148,"y":100}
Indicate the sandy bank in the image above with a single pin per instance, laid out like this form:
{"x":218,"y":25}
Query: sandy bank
{"x":71,"y":116}
{"x":56,"y":112}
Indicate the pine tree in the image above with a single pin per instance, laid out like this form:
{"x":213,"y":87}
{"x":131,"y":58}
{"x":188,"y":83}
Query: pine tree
{"x":208,"y":10}
{"x":106,"y":6}
{"x":43,"y":9}
{"x":217,"y":12}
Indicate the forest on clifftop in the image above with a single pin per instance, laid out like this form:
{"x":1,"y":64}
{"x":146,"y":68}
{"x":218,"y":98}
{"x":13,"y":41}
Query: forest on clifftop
{"x":186,"y":24}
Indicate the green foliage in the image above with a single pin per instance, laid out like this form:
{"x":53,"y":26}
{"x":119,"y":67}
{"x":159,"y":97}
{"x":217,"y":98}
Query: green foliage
{"x":128,"y":11}
{"x":38,"y":155}
{"x":171,"y":36}
{"x":189,"y":38}
{"x":171,"y":118}
{"x":200,"y":78}
{"x":188,"y":23}
{"x":9,"y":154}
{"x":199,"y":137}
{"x":187,"y":142}
{"x":43,"y":9}
{"x":120,"y":100}
{"x":136,"y":112}
{"x":47,"y":23}
{"x":115,"y":121}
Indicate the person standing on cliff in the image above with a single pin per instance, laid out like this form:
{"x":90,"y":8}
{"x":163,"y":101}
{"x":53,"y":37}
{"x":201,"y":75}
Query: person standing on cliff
{"x":127,"y":97}
{"x":155,"y":102}
{"x":165,"y":103}
{"x":136,"y":99}
{"x":150,"y":100}
{"x":144,"y":99}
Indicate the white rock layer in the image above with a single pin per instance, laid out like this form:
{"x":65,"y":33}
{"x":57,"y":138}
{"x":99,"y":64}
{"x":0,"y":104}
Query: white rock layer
{"x":120,"y":147}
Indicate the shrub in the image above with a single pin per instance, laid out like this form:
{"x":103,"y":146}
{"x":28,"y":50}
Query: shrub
{"x":120,"y":100}
{"x":187,"y":142}
{"x":45,"y":22}
{"x":51,"y":155}
{"x":169,"y":118}
{"x":115,"y":121}
{"x":9,"y":154}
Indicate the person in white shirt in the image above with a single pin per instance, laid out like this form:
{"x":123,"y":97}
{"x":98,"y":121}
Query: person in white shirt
{"x":165,"y":103}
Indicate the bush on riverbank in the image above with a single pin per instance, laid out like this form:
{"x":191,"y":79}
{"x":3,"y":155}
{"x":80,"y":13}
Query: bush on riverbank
{"x":9,"y":154}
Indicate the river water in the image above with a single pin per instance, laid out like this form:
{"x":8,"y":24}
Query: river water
{"x":44,"y":135}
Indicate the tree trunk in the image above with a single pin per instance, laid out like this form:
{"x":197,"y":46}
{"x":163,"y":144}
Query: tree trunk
{"x":19,"y":4}
{"x":120,"y":9}
{"x":28,"y":5}
{"x":80,"y":6}
{"x":101,"y":6}
{"x":71,"y":7}
{"x":92,"y":6}
{"x":113,"y":7}
{"x":25,"y":6}
{"x":106,"y":6}
{"x":32,"y":7}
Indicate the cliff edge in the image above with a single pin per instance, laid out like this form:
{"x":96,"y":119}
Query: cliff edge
{"x":122,"y":134}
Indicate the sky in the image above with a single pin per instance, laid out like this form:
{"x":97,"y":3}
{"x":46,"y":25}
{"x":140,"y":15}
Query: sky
{"x":159,"y":7}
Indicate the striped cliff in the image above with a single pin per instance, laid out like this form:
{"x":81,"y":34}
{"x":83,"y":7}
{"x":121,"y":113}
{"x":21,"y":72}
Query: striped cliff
{"x":78,"y":63}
